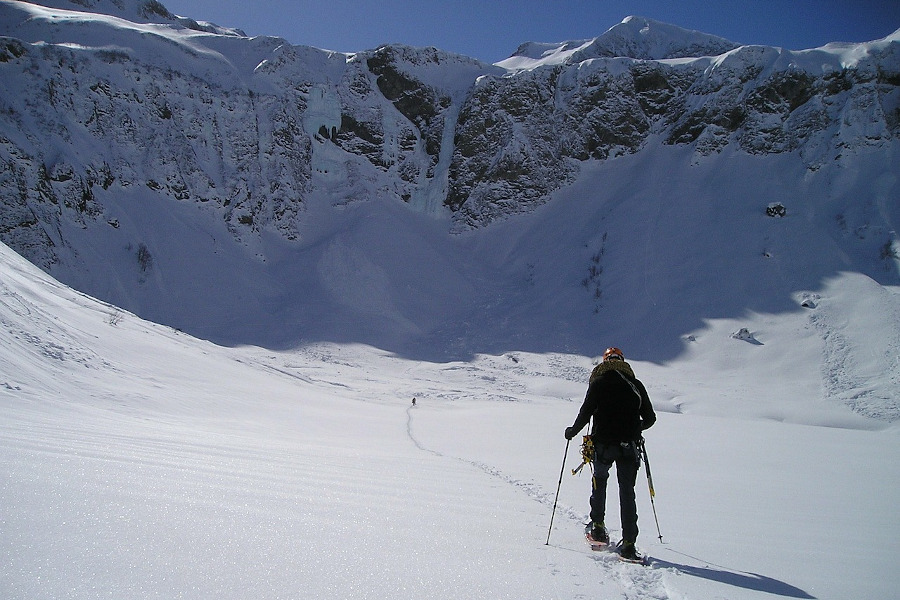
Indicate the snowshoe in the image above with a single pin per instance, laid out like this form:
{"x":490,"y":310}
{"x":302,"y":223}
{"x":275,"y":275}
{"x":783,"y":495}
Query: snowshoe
{"x":597,"y":537}
{"x":628,"y":553}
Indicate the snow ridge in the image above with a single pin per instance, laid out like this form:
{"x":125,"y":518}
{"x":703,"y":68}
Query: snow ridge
{"x":635,"y":37}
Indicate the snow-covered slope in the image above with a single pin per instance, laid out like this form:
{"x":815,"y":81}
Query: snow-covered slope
{"x":140,"y":462}
{"x":132,"y":11}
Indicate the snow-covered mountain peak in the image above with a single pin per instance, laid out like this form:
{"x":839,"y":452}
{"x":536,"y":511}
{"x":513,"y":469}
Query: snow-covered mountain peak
{"x":634,"y":37}
{"x":135,"y":11}
{"x":642,"y":38}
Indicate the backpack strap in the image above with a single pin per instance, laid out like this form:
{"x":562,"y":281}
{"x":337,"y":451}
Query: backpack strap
{"x":633,"y":389}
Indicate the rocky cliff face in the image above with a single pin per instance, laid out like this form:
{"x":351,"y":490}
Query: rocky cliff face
{"x":522,"y":135}
{"x":246,"y":127}
{"x":250,"y":128}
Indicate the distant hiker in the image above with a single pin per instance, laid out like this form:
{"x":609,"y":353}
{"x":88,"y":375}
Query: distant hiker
{"x":414,"y":401}
{"x":621,"y":409}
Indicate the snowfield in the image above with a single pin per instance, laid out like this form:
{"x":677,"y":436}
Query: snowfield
{"x":287,"y":459}
{"x":139,"y":462}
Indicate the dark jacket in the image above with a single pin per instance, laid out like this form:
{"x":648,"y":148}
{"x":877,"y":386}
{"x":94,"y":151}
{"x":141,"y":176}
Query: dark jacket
{"x":619,"y":404}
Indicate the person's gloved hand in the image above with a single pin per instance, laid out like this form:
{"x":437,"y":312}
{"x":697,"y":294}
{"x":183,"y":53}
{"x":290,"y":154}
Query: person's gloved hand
{"x":570,"y":433}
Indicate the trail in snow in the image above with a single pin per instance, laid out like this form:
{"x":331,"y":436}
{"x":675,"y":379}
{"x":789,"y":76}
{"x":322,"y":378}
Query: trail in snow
{"x":530,"y":489}
{"x":634,"y":581}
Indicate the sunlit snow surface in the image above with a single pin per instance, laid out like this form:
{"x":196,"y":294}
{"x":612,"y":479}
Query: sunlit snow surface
{"x":137,"y":461}
{"x":140,"y":462}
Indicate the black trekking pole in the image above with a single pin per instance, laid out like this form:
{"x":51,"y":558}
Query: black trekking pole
{"x":558,"y":485}
{"x":650,"y":484}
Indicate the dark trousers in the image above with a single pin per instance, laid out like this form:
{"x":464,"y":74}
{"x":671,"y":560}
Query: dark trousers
{"x":626,"y":461}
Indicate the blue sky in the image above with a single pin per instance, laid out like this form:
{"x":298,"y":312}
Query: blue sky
{"x":491,"y":30}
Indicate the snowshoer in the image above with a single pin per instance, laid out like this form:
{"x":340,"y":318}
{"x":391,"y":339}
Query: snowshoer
{"x":621,"y":409}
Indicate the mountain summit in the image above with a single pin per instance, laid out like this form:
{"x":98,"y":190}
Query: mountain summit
{"x":635,"y":37}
